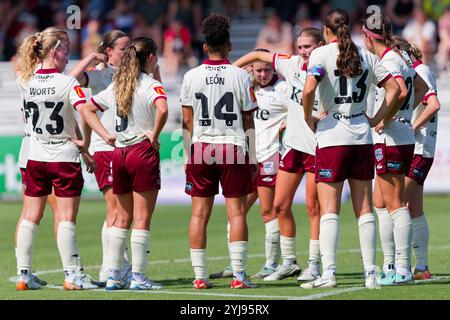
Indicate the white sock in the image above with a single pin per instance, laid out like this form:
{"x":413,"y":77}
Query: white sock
{"x":238,"y":255}
{"x":140,"y":249}
{"x":117,"y":243}
{"x":402,"y":237}
{"x":105,"y":246}
{"x":420,"y":241}
{"x":25,"y":245}
{"x":368,"y":240}
{"x":67,"y":245}
{"x":386,"y":228}
{"x":272,"y":241}
{"x":314,"y":252}
{"x":198,"y":260}
{"x":288,"y":250}
{"x":329,"y":235}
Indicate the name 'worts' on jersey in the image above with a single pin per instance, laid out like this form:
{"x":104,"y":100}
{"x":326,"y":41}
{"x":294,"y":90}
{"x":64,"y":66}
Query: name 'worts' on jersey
{"x":218,"y":93}
{"x":49,"y":101}
{"x":344,"y":98}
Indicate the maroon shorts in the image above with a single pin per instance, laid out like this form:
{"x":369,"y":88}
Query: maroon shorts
{"x":419,"y":169}
{"x":267,"y":171}
{"x":103,"y":170}
{"x":136,"y":168}
{"x":338,"y":163}
{"x":23,"y":172}
{"x":394,"y":159}
{"x":210,"y":164}
{"x":65,"y":177}
{"x":295,"y":161}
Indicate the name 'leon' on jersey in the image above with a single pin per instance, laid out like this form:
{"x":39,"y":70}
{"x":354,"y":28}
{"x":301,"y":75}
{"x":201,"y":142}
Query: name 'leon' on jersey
{"x":48,"y":100}
{"x":218,"y":93}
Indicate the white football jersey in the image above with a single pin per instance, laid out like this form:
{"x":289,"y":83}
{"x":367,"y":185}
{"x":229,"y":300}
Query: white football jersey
{"x":426,"y":136}
{"x":218,"y":93}
{"x":273,"y":102}
{"x":399,"y":131}
{"x":344,"y":99}
{"x":299,"y":135}
{"x":25,"y":145}
{"x":51,"y":98}
{"x":97,"y":81}
{"x":130,"y":129}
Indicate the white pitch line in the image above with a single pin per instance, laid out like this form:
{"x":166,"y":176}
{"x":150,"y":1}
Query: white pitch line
{"x":256,"y":255}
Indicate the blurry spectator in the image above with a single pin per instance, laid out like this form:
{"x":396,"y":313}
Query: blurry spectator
{"x":154,"y":12}
{"x":122,"y":16}
{"x":177,"y":48}
{"x":276,"y":36}
{"x":60,"y":20}
{"x":91,"y":38}
{"x":422,"y":32}
{"x":444,"y":45}
{"x":28,"y":27}
{"x":286,"y":9}
{"x":399,"y":11}
{"x":353,"y":7}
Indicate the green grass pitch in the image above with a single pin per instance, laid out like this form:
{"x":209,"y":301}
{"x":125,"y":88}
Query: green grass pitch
{"x":169,"y":261}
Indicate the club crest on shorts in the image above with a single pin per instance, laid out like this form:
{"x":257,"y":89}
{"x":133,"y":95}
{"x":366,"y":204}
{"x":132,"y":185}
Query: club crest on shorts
{"x":189,"y":186}
{"x":378,"y":154}
{"x":325,"y":173}
{"x":268,"y":167}
{"x":110,"y":178}
{"x":267,"y":179}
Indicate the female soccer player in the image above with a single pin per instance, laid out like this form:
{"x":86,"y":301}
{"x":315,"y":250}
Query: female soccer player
{"x":98,"y":79}
{"x":394,"y":148}
{"x":272,"y":99}
{"x":217,"y":116}
{"x":139,"y":105}
{"x":424,"y":122}
{"x":297,"y":159}
{"x":53,"y":159}
{"x":343,"y":72}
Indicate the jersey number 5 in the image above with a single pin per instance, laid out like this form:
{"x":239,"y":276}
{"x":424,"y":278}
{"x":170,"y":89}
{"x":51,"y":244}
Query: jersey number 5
{"x":226,"y":101}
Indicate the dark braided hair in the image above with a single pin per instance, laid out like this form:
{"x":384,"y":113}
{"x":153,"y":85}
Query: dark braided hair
{"x":348,"y":61}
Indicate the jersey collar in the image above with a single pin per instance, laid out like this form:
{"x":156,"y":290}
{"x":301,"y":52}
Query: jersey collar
{"x":47,"y":71}
{"x":216,"y":62}
{"x":334,"y":41}
{"x":385,"y":51}
{"x":417,"y":63}
{"x":272,"y":82}
{"x":304,"y":67}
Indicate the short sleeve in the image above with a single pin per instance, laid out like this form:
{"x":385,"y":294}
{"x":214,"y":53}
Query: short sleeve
{"x":316,"y":65}
{"x":104,"y":99}
{"x":92,"y":77}
{"x":186,"y":97}
{"x":393,"y":67}
{"x":281,"y":63}
{"x":430,"y":80}
{"x":156,"y":91}
{"x":248,"y":95}
{"x":76,"y":94}
{"x":380,"y":74}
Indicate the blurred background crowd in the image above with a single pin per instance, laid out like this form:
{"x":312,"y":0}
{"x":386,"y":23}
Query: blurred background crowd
{"x":175,"y":25}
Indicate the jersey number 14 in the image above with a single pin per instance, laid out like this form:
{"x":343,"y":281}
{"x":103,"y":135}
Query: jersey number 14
{"x":226,"y":101}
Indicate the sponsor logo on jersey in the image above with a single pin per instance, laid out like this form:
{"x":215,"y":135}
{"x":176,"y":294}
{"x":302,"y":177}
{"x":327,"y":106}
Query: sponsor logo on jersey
{"x":189,"y":186}
{"x":378,"y":154}
{"x":394,"y":165}
{"x":325,"y":173}
{"x":160,"y":90}
{"x":79,"y":91}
